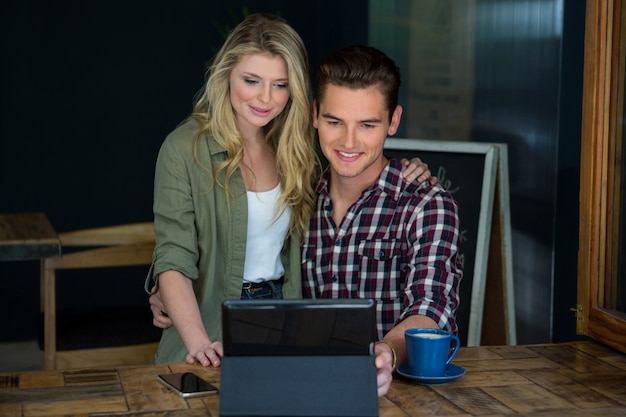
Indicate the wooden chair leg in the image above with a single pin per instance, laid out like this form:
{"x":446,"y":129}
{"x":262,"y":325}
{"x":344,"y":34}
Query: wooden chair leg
{"x":50,"y":334}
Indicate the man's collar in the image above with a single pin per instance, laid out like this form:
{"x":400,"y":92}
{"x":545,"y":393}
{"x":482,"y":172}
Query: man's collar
{"x":390,"y":180}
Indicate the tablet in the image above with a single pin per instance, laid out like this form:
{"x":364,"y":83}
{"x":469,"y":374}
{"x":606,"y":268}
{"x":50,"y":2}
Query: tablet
{"x":298,"y":327}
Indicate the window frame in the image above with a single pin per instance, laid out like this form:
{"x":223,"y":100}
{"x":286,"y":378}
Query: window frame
{"x":601,"y":135}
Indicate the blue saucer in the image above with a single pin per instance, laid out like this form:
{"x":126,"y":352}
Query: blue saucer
{"x":452,"y":372}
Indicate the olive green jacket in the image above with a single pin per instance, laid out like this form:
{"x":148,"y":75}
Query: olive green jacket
{"x":198,"y":234}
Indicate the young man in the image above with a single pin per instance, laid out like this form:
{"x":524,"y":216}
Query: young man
{"x":374,"y":235}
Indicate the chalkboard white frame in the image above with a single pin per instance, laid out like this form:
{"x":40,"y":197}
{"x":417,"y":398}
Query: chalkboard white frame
{"x":479,"y":277}
{"x":506,"y":244}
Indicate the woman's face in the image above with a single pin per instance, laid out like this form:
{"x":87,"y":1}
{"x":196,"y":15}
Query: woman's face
{"x":259,"y":90}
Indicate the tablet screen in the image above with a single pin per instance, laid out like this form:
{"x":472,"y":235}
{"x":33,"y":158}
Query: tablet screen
{"x":298,"y":327}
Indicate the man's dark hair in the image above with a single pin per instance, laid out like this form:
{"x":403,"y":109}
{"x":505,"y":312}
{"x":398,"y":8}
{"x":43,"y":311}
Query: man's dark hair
{"x":359,"y":67}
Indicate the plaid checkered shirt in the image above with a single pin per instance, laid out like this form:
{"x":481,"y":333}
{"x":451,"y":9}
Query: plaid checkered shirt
{"x":398,"y":244}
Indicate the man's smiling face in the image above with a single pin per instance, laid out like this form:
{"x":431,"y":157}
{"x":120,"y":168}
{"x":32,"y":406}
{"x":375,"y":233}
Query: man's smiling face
{"x":352,"y":125}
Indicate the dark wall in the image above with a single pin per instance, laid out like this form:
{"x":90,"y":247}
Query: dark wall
{"x":529,"y":60}
{"x":568,"y":174}
{"x":89,"y":90}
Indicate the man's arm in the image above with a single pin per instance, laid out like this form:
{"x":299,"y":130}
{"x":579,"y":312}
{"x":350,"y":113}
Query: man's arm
{"x":394,"y":340}
{"x":159,"y":317}
{"x":434,"y":276}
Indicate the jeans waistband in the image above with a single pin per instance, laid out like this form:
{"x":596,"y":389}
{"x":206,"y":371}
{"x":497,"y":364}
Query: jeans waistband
{"x":253,"y":286}
{"x":263,"y":290}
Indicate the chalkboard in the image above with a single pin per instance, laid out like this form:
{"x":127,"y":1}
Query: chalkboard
{"x":468,"y":171}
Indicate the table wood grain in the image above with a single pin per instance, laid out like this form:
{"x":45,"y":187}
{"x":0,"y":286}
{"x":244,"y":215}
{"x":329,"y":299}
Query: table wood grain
{"x":570,"y":379}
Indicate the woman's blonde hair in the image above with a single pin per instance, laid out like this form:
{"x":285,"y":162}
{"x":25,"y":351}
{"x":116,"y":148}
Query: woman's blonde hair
{"x":290,"y":134}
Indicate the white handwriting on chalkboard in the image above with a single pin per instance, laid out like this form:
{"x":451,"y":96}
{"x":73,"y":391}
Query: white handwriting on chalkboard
{"x":445,"y":182}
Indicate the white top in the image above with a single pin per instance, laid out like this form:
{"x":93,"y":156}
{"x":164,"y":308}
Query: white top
{"x":265,"y":237}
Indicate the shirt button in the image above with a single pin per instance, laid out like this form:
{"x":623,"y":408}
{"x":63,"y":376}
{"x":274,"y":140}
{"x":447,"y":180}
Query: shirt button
{"x":334,"y":278}
{"x":338,"y":242}
{"x":381,"y":254}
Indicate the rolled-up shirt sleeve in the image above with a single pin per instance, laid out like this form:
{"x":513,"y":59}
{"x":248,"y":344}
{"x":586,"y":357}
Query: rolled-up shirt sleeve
{"x":174,"y":218}
{"x":434,"y":273}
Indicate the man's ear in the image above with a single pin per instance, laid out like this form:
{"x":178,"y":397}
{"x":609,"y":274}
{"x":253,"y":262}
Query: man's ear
{"x":395,"y":120}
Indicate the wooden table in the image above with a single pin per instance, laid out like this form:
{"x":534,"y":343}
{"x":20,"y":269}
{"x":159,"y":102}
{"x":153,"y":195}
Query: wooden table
{"x":571,"y":379}
{"x":27,"y":236}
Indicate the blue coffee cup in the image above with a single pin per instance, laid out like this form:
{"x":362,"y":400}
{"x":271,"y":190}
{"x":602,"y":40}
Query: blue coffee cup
{"x":429,"y":351}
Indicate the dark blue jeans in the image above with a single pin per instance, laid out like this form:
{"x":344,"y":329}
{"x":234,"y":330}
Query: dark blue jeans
{"x":273,"y":290}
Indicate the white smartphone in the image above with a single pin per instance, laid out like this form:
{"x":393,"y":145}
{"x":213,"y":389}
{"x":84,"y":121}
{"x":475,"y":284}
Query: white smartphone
{"x":187,"y":384}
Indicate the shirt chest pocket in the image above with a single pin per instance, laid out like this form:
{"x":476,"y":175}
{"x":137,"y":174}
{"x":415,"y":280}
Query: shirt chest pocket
{"x":380,"y":250}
